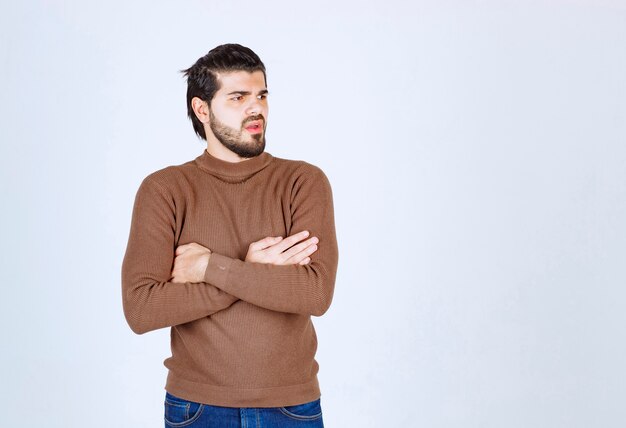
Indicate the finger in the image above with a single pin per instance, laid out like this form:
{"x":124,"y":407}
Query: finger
{"x":290,"y":241}
{"x":181,"y":249}
{"x":265,"y":242}
{"x":305,"y":261}
{"x":301,"y":255}
{"x":298,"y":248}
{"x":197,"y":246}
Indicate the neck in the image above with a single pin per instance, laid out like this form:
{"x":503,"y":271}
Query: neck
{"x":217,"y":150}
{"x":232,"y":172}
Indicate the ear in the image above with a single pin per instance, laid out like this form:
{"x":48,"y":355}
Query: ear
{"x":201,"y":109}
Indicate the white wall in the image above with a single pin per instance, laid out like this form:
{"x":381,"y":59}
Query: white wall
{"x":477,"y":155}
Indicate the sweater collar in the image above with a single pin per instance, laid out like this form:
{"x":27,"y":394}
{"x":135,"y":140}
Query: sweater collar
{"x":232,"y":171}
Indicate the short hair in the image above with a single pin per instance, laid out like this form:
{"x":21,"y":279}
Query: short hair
{"x":202,"y":81}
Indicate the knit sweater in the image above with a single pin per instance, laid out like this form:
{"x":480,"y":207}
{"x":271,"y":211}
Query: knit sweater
{"x":243,"y":337}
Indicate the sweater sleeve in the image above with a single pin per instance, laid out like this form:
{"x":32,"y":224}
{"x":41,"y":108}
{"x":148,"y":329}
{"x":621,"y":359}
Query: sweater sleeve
{"x":150,"y":300}
{"x":303,"y":289}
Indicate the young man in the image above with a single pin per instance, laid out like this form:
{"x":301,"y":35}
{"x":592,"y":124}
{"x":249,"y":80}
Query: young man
{"x":234,"y":250}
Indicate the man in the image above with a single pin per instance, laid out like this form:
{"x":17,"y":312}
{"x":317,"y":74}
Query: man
{"x":234,"y":250}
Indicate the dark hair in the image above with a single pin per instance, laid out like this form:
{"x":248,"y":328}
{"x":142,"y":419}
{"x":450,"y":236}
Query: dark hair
{"x":202,"y":81}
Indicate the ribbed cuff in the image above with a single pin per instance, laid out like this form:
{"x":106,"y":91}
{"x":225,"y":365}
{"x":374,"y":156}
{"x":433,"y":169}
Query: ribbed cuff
{"x":217,"y":270}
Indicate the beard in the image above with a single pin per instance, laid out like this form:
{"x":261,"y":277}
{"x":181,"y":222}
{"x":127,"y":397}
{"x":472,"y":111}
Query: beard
{"x":234,"y":140}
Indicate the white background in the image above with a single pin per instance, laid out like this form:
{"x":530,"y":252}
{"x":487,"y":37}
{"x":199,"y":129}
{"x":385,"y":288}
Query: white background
{"x":477,"y":154}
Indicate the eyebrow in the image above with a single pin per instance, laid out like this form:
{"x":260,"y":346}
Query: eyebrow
{"x":261,"y":92}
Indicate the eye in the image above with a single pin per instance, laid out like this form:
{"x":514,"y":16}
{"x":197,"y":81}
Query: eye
{"x":262,"y":96}
{"x":237,"y":98}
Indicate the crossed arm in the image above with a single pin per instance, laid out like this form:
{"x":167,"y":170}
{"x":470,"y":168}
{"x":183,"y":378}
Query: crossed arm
{"x":192,"y":259}
{"x":202,"y":283}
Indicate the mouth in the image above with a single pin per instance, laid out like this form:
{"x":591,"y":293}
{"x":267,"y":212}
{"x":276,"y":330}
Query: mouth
{"x":255,"y":127}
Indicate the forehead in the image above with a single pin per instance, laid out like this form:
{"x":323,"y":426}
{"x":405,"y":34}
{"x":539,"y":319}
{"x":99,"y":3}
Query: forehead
{"x":240,"y":81}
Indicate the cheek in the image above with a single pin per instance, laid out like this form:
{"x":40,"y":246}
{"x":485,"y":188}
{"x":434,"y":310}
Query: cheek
{"x":230,"y":118}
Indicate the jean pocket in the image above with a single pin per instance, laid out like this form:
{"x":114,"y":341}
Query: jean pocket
{"x":180,"y":412}
{"x":306,"y":411}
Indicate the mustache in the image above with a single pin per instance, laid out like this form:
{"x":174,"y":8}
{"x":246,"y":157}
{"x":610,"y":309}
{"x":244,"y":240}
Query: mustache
{"x":253,"y":118}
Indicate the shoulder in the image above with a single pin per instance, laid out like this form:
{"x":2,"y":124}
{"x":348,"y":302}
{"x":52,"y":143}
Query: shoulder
{"x":304,"y":180}
{"x":299,"y":170}
{"x":169,"y":179}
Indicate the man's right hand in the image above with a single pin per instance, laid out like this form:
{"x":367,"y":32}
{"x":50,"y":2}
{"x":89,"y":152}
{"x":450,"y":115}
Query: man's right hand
{"x":279,"y":251}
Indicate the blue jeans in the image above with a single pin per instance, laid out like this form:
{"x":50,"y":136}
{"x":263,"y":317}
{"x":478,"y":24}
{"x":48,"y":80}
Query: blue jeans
{"x":184,"y":413}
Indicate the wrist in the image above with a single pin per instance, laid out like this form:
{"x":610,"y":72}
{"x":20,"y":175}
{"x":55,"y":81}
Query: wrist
{"x":203,"y":265}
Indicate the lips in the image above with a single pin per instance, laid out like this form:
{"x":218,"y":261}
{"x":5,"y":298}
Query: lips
{"x":255,"y":126}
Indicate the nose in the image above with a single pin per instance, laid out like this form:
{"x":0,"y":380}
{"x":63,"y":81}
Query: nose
{"x":254,"y":107}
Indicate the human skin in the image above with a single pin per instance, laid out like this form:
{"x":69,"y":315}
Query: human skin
{"x":192,"y":259}
{"x":242,"y":97}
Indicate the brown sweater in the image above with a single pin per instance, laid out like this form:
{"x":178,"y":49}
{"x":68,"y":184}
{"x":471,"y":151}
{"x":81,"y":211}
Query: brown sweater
{"x":244,"y":336}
